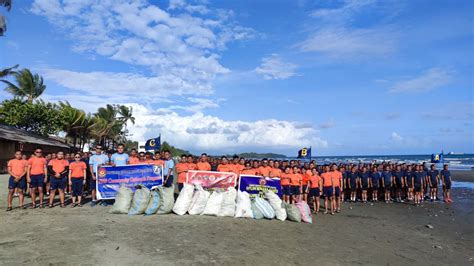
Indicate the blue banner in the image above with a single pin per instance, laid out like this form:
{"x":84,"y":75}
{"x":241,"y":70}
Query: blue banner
{"x":153,"y":144}
{"x":110,"y":178}
{"x":257,"y":185}
{"x":437,"y":158}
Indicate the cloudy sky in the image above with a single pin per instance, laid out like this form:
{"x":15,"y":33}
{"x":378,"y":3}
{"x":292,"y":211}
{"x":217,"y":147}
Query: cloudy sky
{"x":346,"y":77}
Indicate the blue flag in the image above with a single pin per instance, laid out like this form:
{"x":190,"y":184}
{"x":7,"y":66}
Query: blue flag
{"x":153,"y":144}
{"x":437,"y":158}
{"x":304,"y":153}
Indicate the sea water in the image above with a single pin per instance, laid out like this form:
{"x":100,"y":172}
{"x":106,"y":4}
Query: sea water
{"x":455,"y":162}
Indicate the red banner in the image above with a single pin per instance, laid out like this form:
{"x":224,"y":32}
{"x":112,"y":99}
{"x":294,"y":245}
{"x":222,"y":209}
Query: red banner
{"x":211,"y":180}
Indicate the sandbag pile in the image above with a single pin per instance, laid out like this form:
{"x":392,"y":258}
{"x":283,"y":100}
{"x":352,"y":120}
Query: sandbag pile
{"x":194,"y":200}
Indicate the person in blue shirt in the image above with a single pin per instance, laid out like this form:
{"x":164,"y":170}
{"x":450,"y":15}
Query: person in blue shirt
{"x":364,"y":181}
{"x":95,"y":161}
{"x":374,"y":182}
{"x":418,"y":181}
{"x":168,"y":170}
{"x":119,"y":158}
{"x":433,"y":177}
{"x":446,"y":179}
{"x":399,"y":184}
{"x":409,"y":182}
{"x":387,"y":183}
{"x":352,"y":177}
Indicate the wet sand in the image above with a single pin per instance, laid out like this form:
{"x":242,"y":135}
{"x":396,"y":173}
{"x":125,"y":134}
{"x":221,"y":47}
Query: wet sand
{"x":362,"y":234}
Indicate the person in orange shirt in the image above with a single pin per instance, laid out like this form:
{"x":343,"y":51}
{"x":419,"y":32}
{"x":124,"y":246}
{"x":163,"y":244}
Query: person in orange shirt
{"x":275,"y":171}
{"x":328,"y":189}
{"x":264,"y":169}
{"x":157,"y":160}
{"x":285,"y":179}
{"x":255,"y":167}
{"x":148,"y":158}
{"x":316,"y":186}
{"x":77,"y":179}
{"x":203,"y":165}
{"x":304,"y":183}
{"x":133,"y":159}
{"x":191,"y":165}
{"x":248,"y":170}
{"x":224,"y":166}
{"x":36,"y":176}
{"x":58,"y":169}
{"x":295,"y":182}
{"x":338,"y":187}
{"x":241,"y":164}
{"x":181,"y":169}
{"x":17,"y":169}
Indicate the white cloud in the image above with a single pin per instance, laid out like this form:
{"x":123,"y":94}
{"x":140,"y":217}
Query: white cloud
{"x":130,"y":85}
{"x":335,"y":32}
{"x":181,"y":49}
{"x":396,"y":137}
{"x":427,"y":81}
{"x":209,"y":133}
{"x":344,"y":42}
{"x":273,"y":67}
{"x":196,"y":105}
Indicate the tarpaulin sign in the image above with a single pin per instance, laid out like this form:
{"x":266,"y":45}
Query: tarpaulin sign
{"x":110,"y":178}
{"x":211,"y":180}
{"x":257,"y":185}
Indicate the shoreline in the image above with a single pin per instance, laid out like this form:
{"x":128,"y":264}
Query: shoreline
{"x":463,"y":176}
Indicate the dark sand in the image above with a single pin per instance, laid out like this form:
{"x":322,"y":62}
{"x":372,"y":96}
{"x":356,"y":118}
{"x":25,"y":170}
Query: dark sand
{"x":362,"y":234}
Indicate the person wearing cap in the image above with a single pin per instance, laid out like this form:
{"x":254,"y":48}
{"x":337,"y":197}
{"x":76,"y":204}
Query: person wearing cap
{"x":95,"y":161}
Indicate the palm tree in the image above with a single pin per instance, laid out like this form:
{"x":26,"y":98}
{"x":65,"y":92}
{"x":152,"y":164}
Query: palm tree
{"x":7,"y":71}
{"x":73,"y":120}
{"x":28,"y":86}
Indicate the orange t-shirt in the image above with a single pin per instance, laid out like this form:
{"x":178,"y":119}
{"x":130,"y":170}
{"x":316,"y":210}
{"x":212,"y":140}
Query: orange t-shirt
{"x":157,"y":162}
{"x":327,"y":179}
{"x":306,"y":177}
{"x":77,"y":169}
{"x":285,"y":179}
{"x":276,"y":172}
{"x":37,"y":165}
{"x":295,"y":179}
{"x":265,"y":171}
{"x":58,"y":165}
{"x":225,"y":168}
{"x":18,"y":167}
{"x":133,"y":160}
{"x":337,"y":178}
{"x":251,"y":171}
{"x":203,"y":166}
{"x":314,"y":180}
{"x":181,"y":169}
{"x":192,"y":167}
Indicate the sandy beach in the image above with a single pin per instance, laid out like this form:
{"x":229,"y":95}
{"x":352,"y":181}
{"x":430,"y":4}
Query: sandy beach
{"x":395,"y":234}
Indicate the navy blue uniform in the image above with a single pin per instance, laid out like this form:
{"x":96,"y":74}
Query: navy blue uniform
{"x":375,"y":179}
{"x":446,"y":175}
{"x":364,"y":178}
{"x":398,"y":178}
{"x":387,"y":178}
{"x":409,"y":178}
{"x":352,"y":177}
{"x":419,"y":178}
{"x":433,"y":174}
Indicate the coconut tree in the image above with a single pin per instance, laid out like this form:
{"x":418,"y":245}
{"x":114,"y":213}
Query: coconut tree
{"x":73,"y":120}
{"x":28,"y":86}
{"x":7,"y":71}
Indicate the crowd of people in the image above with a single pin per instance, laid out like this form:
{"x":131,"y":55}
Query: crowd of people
{"x":75,"y":174}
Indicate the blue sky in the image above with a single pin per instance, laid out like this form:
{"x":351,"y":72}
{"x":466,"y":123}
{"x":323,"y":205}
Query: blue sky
{"x":346,"y":77}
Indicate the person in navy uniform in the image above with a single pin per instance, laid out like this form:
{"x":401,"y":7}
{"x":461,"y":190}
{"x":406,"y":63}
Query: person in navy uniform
{"x":418,"y":182}
{"x":446,"y":179}
{"x":433,"y":179}
{"x":399,"y":184}
{"x":409,"y":182}
{"x":364,"y":183}
{"x":374,"y":183}
{"x":387,"y":182}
